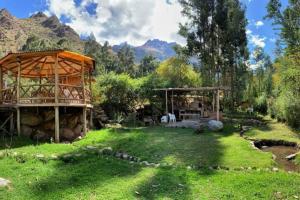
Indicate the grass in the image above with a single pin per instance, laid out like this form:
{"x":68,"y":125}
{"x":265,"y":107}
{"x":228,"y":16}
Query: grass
{"x":274,"y":130}
{"x":105,"y":177}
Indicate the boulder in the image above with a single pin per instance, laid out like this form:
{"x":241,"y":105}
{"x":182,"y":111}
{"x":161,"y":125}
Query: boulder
{"x":72,"y":121}
{"x":4,"y":182}
{"x":30,"y":119}
{"x":200,"y":129}
{"x":67,"y":134}
{"x":26,"y":130}
{"x":49,"y":125}
{"x":40,"y":135}
{"x":78,"y":130}
{"x":214,"y":125}
{"x":49,"y":115}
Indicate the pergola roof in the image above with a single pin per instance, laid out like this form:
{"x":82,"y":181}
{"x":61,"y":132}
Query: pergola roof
{"x":42,"y":63}
{"x":193,"y":89}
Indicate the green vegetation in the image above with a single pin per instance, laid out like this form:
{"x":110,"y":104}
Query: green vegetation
{"x":94,"y":176}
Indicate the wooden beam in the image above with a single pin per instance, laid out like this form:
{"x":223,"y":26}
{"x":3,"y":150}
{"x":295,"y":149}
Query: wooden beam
{"x":18,"y":121}
{"x":166,"y":102}
{"x":91,"y":119}
{"x":172,"y":103}
{"x":18,"y":81}
{"x":11,"y":123}
{"x":1,"y":84}
{"x":218,"y":106}
{"x":83,"y":81}
{"x":56,"y":124}
{"x":56,"y":79}
{"x":84,"y":121}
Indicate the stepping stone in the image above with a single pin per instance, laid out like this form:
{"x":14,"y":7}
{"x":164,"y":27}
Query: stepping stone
{"x":4,"y":182}
{"x":291,"y":157}
{"x":275,"y":169}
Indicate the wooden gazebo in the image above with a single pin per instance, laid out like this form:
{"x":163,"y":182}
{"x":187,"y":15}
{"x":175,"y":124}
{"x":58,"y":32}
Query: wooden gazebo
{"x":55,"y":78}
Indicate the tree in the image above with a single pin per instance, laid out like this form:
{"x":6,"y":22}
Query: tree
{"x":34,"y":43}
{"x":147,"y":65}
{"x":216,"y":34}
{"x":126,"y":61}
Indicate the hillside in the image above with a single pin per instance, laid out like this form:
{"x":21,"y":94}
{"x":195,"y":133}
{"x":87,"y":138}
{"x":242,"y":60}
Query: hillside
{"x":160,"y":49}
{"x":14,"y":31}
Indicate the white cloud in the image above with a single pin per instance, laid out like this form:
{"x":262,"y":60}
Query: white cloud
{"x":259,"y":24}
{"x":272,"y":40}
{"x":258,"y":41}
{"x":117,"y":21}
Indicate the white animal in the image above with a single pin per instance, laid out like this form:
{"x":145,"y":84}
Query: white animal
{"x":164,"y":119}
{"x":172,"y":117}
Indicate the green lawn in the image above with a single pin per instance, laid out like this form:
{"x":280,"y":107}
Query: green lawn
{"x":94,"y":176}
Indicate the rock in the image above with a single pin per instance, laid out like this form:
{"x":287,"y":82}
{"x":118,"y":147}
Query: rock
{"x":54,"y":157}
{"x":72,"y":121}
{"x":275,"y":169}
{"x":78,"y":130}
{"x":26,"y":130}
{"x":78,"y":138}
{"x":264,"y":147}
{"x":291,"y":157}
{"x":67,"y":134}
{"x":118,"y":155}
{"x":40,"y":156}
{"x":91,"y":147}
{"x":246,"y":128}
{"x":214,"y":125}
{"x":49,"y":125}
{"x":125,"y":156}
{"x":4,"y":182}
{"x":40,"y":136}
{"x":107,"y":150}
{"x":49,"y":115}
{"x":200,"y":129}
{"x":30,"y":119}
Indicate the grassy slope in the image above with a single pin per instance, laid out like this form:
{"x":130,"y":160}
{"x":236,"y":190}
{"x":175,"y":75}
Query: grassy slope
{"x":276,"y":131}
{"x":97,"y":177}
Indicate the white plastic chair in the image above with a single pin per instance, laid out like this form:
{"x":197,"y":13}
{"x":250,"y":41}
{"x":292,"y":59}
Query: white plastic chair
{"x":172,"y":117}
{"x":164,"y":119}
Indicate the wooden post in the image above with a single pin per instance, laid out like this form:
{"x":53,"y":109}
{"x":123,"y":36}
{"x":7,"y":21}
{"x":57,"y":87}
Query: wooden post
{"x":166,"y":102}
{"x":91,"y":118}
{"x":214,"y":102}
{"x":56,"y":80}
{"x":84,"y":120}
{"x":18,"y":121}
{"x":90,"y":85}
{"x":82,"y":79}
{"x":56,"y":124}
{"x":1,"y":84}
{"x":11,"y":122}
{"x":18,"y":81}
{"x":218,"y":106}
{"x":172,"y":103}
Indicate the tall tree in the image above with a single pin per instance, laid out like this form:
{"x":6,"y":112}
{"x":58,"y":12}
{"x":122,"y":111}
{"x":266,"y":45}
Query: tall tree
{"x":216,"y":34}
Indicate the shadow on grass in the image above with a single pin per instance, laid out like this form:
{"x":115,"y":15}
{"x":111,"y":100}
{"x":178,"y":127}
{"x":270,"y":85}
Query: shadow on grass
{"x":180,"y":147}
{"x":15,"y":142}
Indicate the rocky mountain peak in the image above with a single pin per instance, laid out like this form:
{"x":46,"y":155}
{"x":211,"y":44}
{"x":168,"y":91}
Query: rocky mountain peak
{"x":39,"y":15}
{"x":52,"y":22}
{"x":5,"y":13}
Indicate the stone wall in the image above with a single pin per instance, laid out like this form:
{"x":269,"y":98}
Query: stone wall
{"x":39,"y":123}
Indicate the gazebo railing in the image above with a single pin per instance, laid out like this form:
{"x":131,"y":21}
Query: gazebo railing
{"x":45,"y":93}
{"x":9,"y":95}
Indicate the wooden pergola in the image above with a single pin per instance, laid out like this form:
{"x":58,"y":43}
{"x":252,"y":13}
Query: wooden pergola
{"x":215,"y":90}
{"x":54,"y":78}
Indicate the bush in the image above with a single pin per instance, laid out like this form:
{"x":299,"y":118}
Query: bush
{"x":261,"y":104}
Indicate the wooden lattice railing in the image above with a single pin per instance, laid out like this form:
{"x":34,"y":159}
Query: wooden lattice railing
{"x":9,"y":95}
{"x":45,"y":93}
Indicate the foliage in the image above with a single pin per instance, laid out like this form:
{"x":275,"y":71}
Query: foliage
{"x":175,"y":72}
{"x":118,"y":93}
{"x":147,"y":65}
{"x":216,"y":34}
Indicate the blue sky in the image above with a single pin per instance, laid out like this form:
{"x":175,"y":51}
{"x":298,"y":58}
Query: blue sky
{"x":136,"y":21}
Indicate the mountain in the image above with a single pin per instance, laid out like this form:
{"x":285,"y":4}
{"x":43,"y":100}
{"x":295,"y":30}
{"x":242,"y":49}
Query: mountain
{"x":160,"y":49}
{"x":14,"y":31}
